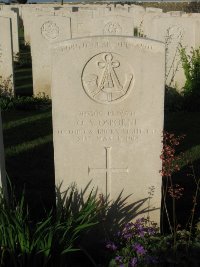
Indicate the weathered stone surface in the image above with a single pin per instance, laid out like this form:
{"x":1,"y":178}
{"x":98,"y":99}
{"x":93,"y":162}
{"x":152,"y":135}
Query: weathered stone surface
{"x":108,"y":115}
{"x":175,"y":30}
{"x":110,"y":24}
{"x":153,"y":10}
{"x":44,"y":31}
{"x":137,"y":12}
{"x":27,"y":17}
{"x":6,"y":54}
{"x":15,"y":28}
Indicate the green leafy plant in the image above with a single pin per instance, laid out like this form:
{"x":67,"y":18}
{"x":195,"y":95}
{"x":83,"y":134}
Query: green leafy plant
{"x":140,"y":244}
{"x":191,"y":66}
{"x":24,"y":102}
{"x":47,"y":242}
{"x":6,"y":88}
{"x":9,"y":101}
{"x":138,"y":31}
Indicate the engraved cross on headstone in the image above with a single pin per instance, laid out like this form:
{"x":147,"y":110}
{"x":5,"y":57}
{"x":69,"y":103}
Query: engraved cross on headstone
{"x":108,"y":170}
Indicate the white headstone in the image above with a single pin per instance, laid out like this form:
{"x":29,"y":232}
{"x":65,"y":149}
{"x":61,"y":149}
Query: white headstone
{"x":153,"y":10}
{"x":108,"y":115}
{"x":137,"y":13}
{"x":28,"y":12}
{"x":15,"y":28}
{"x":44,"y":31}
{"x":103,"y":25}
{"x":6,"y":54}
{"x":175,"y":30}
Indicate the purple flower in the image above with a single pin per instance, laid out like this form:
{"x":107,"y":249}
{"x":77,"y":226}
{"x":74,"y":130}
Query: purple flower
{"x":139,"y":249}
{"x":151,"y":231}
{"x":118,"y":259}
{"x":128,"y":226}
{"x":141,"y":233}
{"x":133,"y":262}
{"x":127,"y":235}
{"x":111,"y":246}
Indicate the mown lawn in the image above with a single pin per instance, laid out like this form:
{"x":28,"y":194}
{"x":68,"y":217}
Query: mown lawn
{"x":29,"y":153}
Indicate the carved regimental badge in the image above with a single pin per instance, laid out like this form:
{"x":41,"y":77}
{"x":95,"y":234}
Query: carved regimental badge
{"x":50,"y":30}
{"x":175,"y":33}
{"x":107,"y":78}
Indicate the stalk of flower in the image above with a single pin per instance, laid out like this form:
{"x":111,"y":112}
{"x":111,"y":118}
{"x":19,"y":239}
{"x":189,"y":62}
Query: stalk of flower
{"x":169,"y":166}
{"x":197,"y":181}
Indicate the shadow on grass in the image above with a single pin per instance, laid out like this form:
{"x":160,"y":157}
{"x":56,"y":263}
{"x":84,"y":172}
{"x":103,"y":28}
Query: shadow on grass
{"x":29,"y":157}
{"x":32,"y":171}
{"x":27,"y":129}
{"x":187,"y":123}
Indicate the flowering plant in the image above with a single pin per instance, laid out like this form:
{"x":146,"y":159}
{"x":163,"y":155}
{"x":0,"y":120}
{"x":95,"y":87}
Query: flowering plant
{"x":135,"y":245}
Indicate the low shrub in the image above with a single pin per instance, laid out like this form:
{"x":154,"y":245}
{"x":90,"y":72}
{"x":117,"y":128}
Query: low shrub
{"x":50,"y":241}
{"x":191,"y":89}
{"x":135,"y":245}
{"x":24,"y":102}
{"x":188,"y":99}
{"x":140,"y":244}
{"x":9,"y":101}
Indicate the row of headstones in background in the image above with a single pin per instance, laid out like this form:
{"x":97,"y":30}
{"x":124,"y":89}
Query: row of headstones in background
{"x":87,"y":20}
{"x":6,"y":54}
{"x":174,"y":27}
{"x":54,"y":16}
{"x":90,"y":11}
{"x":108,"y":111}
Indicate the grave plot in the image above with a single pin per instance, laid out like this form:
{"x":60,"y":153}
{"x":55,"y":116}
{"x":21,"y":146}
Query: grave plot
{"x":108,"y":115}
